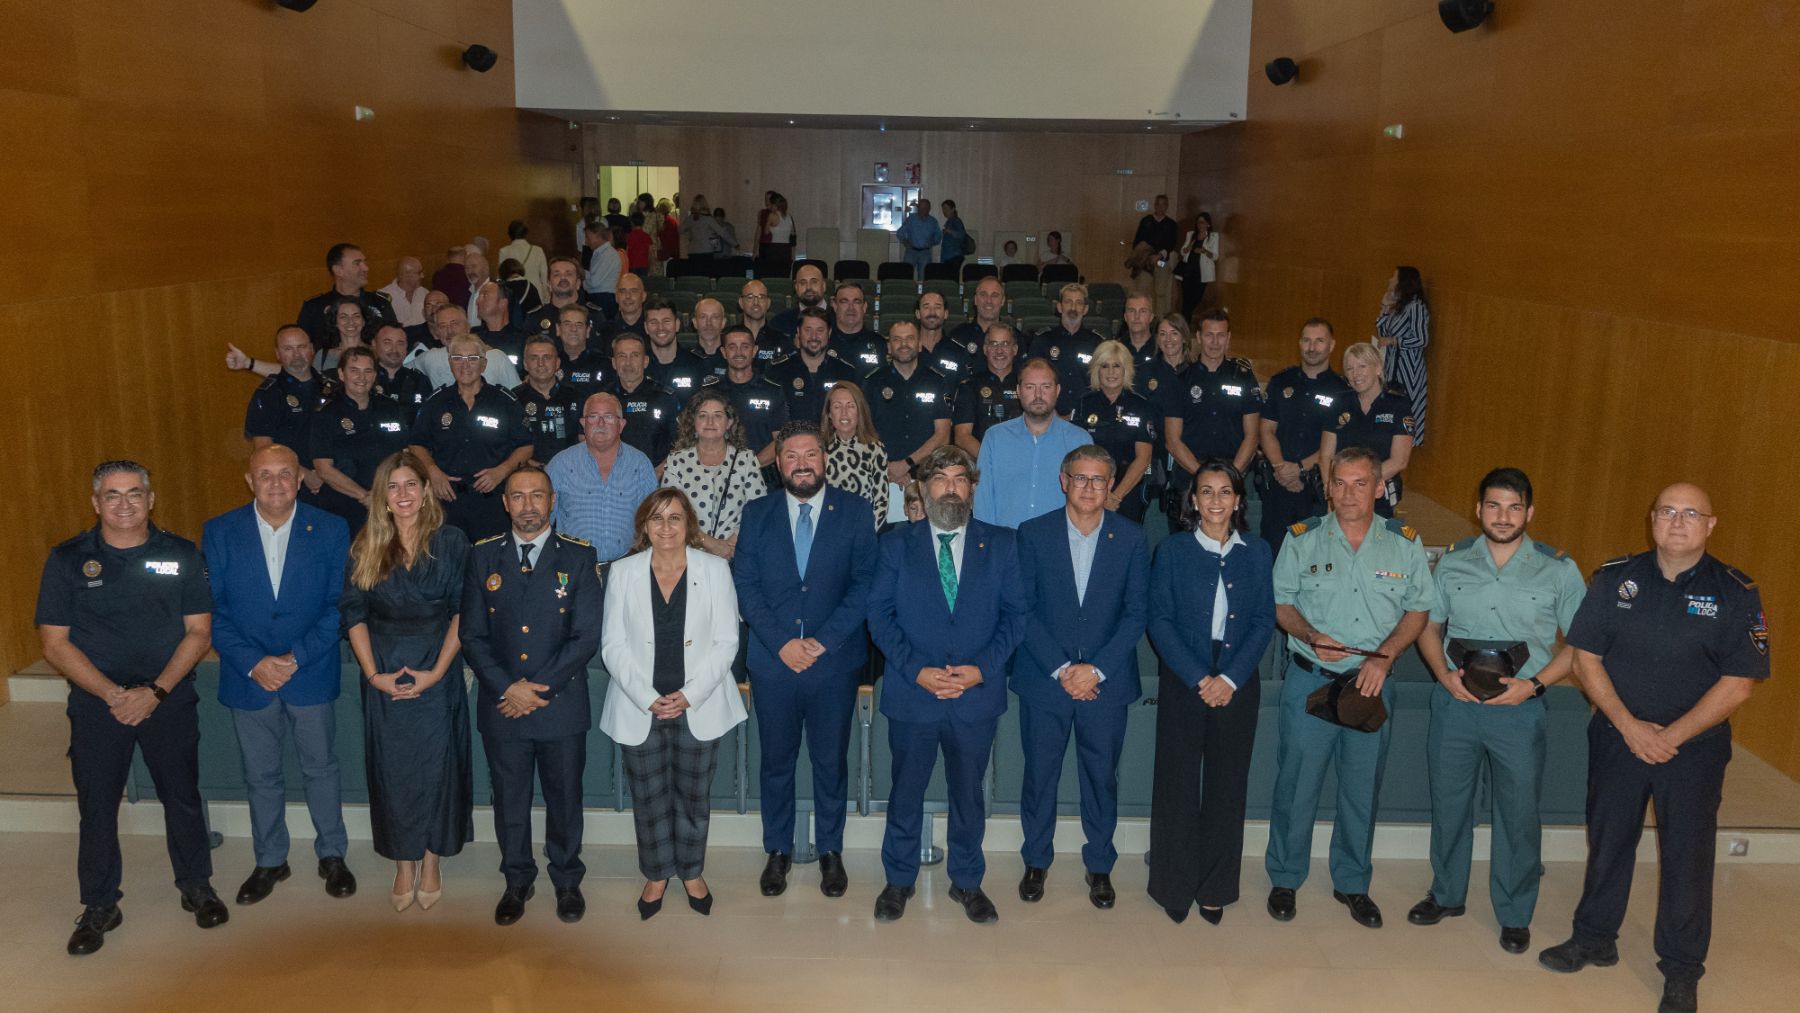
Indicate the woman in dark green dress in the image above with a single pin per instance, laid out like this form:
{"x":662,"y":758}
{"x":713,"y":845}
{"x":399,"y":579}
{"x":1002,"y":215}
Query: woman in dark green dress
{"x":400,"y":613}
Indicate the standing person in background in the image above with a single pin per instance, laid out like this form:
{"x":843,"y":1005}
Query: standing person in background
{"x":957,"y":243}
{"x":604,"y":265}
{"x":588,"y":209}
{"x":615,"y":217}
{"x":639,"y":247}
{"x":1402,"y":331}
{"x":1199,"y":260}
{"x":530,"y":256}
{"x":726,"y":234}
{"x":778,"y":250}
{"x":762,"y":220}
{"x":452,"y":279}
{"x":668,"y":235}
{"x":406,"y":293}
{"x":1053,"y":250}
{"x":1157,"y":231}
{"x":918,"y":234}
{"x":696,"y":230}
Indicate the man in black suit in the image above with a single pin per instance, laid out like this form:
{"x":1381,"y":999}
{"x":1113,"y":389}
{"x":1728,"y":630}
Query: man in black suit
{"x":530,"y":625}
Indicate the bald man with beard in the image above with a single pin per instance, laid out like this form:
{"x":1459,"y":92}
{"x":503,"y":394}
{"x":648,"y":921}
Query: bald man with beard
{"x":1668,"y":645}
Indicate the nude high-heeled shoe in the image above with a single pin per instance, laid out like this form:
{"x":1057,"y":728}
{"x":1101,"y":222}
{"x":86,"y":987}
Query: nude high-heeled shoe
{"x":427,"y":898}
{"x":402,"y":901}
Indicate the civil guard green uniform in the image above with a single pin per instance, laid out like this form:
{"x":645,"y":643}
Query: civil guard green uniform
{"x":1356,"y":596}
{"x":1525,"y":602}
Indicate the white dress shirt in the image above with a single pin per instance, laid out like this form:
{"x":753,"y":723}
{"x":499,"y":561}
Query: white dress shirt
{"x":956,"y":545}
{"x":274,"y":546}
{"x":408,"y":310}
{"x":1221,"y":604}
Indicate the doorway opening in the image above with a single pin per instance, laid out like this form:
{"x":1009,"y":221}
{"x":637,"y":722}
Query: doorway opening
{"x":626,"y":182}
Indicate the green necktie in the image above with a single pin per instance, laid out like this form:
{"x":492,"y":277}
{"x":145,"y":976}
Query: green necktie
{"x":947,"y":569}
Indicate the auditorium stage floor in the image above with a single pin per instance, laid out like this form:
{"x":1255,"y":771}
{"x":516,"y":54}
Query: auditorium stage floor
{"x":304,"y":952}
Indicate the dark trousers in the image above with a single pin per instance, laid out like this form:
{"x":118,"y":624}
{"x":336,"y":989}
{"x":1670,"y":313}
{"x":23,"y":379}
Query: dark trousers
{"x":100,"y":751}
{"x":915,"y":744}
{"x":1192,"y":294}
{"x":777,"y":255}
{"x":479,"y":515}
{"x":1282,"y":509}
{"x":558,"y":764}
{"x":671,"y":774}
{"x":787,"y":704}
{"x":1685,"y":792}
{"x":1198,"y":794}
{"x":1099,"y":739}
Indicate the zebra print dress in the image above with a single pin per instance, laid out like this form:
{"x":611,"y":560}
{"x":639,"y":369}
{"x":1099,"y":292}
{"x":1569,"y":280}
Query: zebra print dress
{"x":1410,"y":327}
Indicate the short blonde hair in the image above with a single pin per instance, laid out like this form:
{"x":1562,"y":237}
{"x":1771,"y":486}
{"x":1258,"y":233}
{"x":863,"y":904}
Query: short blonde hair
{"x":466,"y":341}
{"x":1110,"y":350}
{"x":1366,"y":351}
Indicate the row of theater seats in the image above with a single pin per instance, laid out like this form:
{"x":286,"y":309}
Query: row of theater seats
{"x":858,"y":270}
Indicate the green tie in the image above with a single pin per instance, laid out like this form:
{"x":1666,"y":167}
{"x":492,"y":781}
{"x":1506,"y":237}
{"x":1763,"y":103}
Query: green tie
{"x":947,"y":569}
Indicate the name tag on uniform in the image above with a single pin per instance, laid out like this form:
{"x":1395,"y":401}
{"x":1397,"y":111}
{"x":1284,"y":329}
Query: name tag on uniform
{"x":1324,"y":402}
{"x":1232,"y":389}
{"x":1133,"y":421}
{"x":389,"y":427}
{"x":760,"y":404}
{"x":1385,"y":417}
{"x":1084,"y":357}
{"x":925,"y":396}
{"x":162,"y":568}
{"x":488,"y":421}
{"x":684,"y":382}
{"x":1703,"y":605}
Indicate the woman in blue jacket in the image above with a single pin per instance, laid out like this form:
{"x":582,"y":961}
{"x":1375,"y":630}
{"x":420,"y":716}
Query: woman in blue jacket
{"x":1212,"y":612}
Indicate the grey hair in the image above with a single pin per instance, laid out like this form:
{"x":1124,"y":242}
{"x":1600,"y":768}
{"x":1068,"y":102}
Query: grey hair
{"x":1087,"y":452}
{"x":106,"y":468}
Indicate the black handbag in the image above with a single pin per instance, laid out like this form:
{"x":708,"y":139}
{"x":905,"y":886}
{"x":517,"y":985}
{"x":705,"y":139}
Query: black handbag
{"x":1485,"y":662}
{"x":1341,"y":703}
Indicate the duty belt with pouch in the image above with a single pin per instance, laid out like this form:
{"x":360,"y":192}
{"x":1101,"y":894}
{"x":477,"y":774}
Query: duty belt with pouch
{"x":1485,"y":662}
{"x":1340,"y":702}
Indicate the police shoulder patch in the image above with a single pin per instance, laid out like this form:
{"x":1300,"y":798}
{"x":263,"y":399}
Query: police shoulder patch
{"x":1741,"y":577}
{"x":1243,"y":364}
{"x":490,"y":538}
{"x":572,"y":540}
{"x":1549,"y":550}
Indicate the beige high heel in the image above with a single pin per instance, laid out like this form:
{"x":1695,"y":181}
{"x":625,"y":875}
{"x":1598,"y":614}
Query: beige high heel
{"x":402,"y":901}
{"x":427,"y":898}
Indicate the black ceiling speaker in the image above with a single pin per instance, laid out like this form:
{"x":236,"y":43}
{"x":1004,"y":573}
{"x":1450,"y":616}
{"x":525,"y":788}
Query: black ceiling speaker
{"x":296,"y":6}
{"x":1462,"y":15}
{"x":480,"y":59}
{"x":1281,"y":70}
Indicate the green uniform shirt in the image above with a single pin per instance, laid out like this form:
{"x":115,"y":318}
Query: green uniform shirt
{"x":1536,"y":594}
{"x":1355,"y":596}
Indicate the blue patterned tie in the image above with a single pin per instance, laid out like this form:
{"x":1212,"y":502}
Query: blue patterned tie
{"x":947,"y":569}
{"x":803,"y":534}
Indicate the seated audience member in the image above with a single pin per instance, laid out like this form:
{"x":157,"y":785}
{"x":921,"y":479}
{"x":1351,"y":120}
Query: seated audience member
{"x":1009,"y":255}
{"x":1053,"y":251}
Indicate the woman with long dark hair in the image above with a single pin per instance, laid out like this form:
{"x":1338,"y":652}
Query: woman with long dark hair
{"x":712,"y":465}
{"x":1159,"y":380}
{"x":1402,"y":331}
{"x":1212,"y":613}
{"x":1199,"y":259}
{"x":400,"y":611}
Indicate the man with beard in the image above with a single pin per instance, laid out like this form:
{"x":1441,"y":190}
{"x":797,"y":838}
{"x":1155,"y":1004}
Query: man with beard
{"x":1302,"y":402}
{"x":804,"y":561}
{"x":809,"y":293}
{"x":1500,"y":592}
{"x":908,"y":403}
{"x":862,"y":349}
{"x":952,"y":361}
{"x":529,"y":638}
{"x":991,"y":396}
{"x":1068,"y":346}
{"x":946,"y":609}
{"x":565,"y":292}
{"x":448,"y":324}
{"x":394,"y":380}
{"x":651,"y":413}
{"x":1023,"y":458}
{"x":1216,"y":408}
{"x":807,"y":374}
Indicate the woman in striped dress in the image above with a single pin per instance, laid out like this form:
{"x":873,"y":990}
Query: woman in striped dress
{"x":1402,"y":331}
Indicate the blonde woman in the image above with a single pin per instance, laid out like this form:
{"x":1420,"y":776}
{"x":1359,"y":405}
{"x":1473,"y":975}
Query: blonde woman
{"x":1122,"y":422}
{"x":400,"y":612}
{"x":855,"y":459}
{"x":1378,"y":418}
{"x":711,"y":464}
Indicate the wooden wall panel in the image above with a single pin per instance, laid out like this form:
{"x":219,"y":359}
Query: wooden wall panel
{"x":1603,"y":204}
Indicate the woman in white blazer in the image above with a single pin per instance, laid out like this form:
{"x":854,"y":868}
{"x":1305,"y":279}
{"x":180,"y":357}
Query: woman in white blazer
{"x":668,"y":639}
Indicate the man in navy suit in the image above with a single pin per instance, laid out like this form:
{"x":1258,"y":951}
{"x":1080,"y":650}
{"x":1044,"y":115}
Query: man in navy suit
{"x":530,"y":625}
{"x":947,"y":610}
{"x":1087,"y":588}
{"x":804,"y":561}
{"x":276,"y":567}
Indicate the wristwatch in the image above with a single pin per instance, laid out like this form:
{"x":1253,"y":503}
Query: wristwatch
{"x":161,"y":693}
{"x":1539,"y":689}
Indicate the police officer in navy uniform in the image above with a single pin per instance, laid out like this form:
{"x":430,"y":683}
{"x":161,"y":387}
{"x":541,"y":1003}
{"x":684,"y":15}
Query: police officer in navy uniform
{"x":552,"y":408}
{"x":471,"y":435}
{"x":530,"y":626}
{"x":1668,"y":645}
{"x":1216,"y":408}
{"x":124,"y":613}
{"x":394,"y":379}
{"x":1123,"y":424}
{"x":282,"y":406}
{"x":761,"y":405}
{"x":989,"y":300}
{"x":586,"y":362}
{"x":909,"y":403}
{"x":352,"y":434}
{"x":651,"y":412}
{"x":423,"y":336}
{"x":805,"y":376}
{"x":1301,"y":403}
{"x":851,"y":338}
{"x":565,"y":293}
{"x":1068,"y":346}
{"x":1374,"y":416}
{"x":349,"y":273}
{"x":498,"y":323}
{"x":991,"y":395}
{"x":952,"y":361}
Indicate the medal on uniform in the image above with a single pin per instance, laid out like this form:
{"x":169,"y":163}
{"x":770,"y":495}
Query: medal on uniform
{"x":90,"y":569}
{"x":1093,"y":420}
{"x":349,"y":426}
{"x":493,"y":582}
{"x":562,"y":585}
{"x":293,"y":402}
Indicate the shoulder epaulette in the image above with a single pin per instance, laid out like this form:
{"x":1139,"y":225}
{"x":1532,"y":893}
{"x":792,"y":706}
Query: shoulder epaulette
{"x":1609,"y":564}
{"x":1404,"y":530}
{"x":1550,"y":550}
{"x":491,"y":538}
{"x":269,"y":381}
{"x":572,"y":540}
{"x":1304,"y":526}
{"x":379,"y":294}
{"x":711,"y":378}
{"x":1741,"y":577}
{"x":503,"y":390}
{"x":1243,"y":363}
{"x":1465,"y":543}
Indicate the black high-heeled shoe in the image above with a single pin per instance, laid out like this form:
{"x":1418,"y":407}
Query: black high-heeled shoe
{"x":1213,"y":915}
{"x":1176,"y":914}
{"x":701,"y":904}
{"x":647,"y":908}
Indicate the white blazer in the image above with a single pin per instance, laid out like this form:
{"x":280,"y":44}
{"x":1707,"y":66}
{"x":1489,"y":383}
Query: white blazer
{"x":709,"y":645}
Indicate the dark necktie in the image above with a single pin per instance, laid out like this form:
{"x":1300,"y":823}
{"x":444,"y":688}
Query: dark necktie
{"x":525,"y":557}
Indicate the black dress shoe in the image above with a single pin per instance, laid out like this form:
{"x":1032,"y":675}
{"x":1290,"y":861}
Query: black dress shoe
{"x":1031,"y":885}
{"x":976,"y":905}
{"x":262,"y":882}
{"x":833,"y":880}
{"x":1213,"y":915}
{"x":512,"y":904}
{"x":774,"y":874}
{"x":91,"y":929}
{"x":1572,"y":956}
{"x":1430,"y":912}
{"x":1515,"y":940}
{"x":1679,"y":997}
{"x":1100,"y":890}
{"x":891,"y":903}
{"x":570,"y":904}
{"x":1362,"y":909}
{"x":1281,"y":904}
{"x":209,"y":911}
{"x":338,"y":880}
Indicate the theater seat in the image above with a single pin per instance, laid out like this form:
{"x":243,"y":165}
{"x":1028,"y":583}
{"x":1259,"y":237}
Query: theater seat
{"x":892,"y":271}
{"x":850,"y":270}
{"x":973,"y":273}
{"x":1107,"y":291}
{"x":1020,"y":272}
{"x":941,"y":272}
{"x":1060,"y":274}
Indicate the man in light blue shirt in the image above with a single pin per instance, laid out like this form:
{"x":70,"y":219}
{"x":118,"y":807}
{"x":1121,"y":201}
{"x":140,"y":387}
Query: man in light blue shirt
{"x":1022,"y":458}
{"x":917,"y":235}
{"x":600,"y":481}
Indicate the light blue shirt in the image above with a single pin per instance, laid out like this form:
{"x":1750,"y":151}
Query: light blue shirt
{"x":1020,"y":473}
{"x":603,"y":271}
{"x":919,"y":232}
{"x":596,"y":509}
{"x":1081,"y":556}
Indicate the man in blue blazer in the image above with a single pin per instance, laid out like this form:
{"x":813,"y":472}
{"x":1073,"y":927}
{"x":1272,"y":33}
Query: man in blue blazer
{"x":276,"y":567}
{"x":804,"y":561}
{"x":1087,"y":581}
{"x":947,"y":610}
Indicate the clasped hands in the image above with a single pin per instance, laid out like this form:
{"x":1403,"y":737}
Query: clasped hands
{"x":389,"y":683}
{"x":523,"y":697}
{"x":669,"y":707}
{"x":800,"y":653}
{"x":1516,"y":691}
{"x":130,"y":706}
{"x":949,"y":681}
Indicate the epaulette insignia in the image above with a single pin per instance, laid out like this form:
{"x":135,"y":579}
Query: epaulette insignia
{"x":571,"y":539}
{"x":1303,"y":526}
{"x":1465,"y":543}
{"x":1395,"y":525}
{"x":490,"y":538}
{"x":1741,"y":577}
{"x":1550,"y":550}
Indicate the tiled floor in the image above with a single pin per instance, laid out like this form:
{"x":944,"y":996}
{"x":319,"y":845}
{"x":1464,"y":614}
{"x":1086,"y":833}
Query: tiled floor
{"x":305,"y":952}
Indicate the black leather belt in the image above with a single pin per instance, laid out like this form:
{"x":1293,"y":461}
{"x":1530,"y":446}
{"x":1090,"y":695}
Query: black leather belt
{"x":1305,"y":664}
